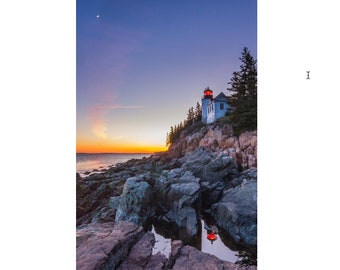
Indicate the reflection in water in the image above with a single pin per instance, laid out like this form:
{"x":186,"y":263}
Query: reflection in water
{"x":173,"y":232}
{"x":164,"y":235}
{"x":212,"y":232}
{"x":162,"y":245}
{"x":216,"y":247}
{"x":223,"y":247}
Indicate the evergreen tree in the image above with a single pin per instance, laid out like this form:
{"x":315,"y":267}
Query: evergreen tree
{"x":198,"y":112}
{"x":190,"y":116}
{"x":193,"y":116}
{"x":176,"y":132}
{"x":243,"y":101}
{"x":167,"y":139}
{"x":171,"y":135}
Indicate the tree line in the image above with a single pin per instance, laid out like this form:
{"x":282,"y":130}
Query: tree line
{"x":194,"y":115}
{"x":243,"y":112}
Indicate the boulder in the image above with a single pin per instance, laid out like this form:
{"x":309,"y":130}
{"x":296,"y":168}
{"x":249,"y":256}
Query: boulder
{"x":105,"y":246}
{"x":103,"y":215}
{"x":236,"y":212}
{"x":185,"y":218}
{"x":247,"y":139}
{"x":228,"y":142}
{"x":211,"y":193}
{"x":137,"y":201}
{"x":191,"y":258}
{"x":212,"y":139}
{"x":156,"y":262}
{"x":227,"y":130}
{"x":176,"y":246}
{"x":92,"y":198}
{"x":84,"y":198}
{"x":140,"y":254}
{"x":178,"y":197}
{"x":189,"y":141}
{"x":211,"y":166}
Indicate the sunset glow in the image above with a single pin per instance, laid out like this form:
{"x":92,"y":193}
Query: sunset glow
{"x":140,"y":66}
{"x":102,"y":146}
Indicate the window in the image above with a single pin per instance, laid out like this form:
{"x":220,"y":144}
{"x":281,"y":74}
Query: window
{"x":221,"y":106}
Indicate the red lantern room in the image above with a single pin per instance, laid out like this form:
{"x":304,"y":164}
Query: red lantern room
{"x":208,"y":93}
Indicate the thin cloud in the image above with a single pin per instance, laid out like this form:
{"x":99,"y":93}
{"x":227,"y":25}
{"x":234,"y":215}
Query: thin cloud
{"x":125,"y":107}
{"x":99,"y":130}
{"x":97,"y":117}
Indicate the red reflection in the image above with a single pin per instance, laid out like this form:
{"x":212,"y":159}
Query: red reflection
{"x":212,"y":236}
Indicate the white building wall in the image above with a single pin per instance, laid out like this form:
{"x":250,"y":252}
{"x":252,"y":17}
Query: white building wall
{"x":215,"y":110}
{"x":211,"y":113}
{"x":205,"y":103}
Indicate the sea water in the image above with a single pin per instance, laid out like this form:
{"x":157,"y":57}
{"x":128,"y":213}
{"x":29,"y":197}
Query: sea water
{"x":217,"y":248}
{"x":88,"y":162}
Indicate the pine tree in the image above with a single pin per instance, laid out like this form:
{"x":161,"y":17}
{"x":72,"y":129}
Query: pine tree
{"x":193,"y":116}
{"x":167,"y":142}
{"x":176,"y":132}
{"x":243,"y":101}
{"x":198,"y":112}
{"x":171,"y":135}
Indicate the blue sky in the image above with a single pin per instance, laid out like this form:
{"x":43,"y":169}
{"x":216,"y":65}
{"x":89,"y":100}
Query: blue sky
{"x":142,"y":64}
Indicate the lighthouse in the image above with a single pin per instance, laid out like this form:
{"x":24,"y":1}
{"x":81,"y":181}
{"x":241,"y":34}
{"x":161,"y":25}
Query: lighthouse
{"x":213,"y":108}
{"x":206,"y":100}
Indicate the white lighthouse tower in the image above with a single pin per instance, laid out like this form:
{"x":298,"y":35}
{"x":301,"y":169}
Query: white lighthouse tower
{"x":206,"y":100}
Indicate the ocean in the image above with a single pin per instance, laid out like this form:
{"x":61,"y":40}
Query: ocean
{"x":90,"y":162}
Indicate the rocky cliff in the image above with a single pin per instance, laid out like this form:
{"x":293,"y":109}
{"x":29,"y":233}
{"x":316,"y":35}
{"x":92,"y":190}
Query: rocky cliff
{"x":219,"y":138}
{"x":207,"y":172}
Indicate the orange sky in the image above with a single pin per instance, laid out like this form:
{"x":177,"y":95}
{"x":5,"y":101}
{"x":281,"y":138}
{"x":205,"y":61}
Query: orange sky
{"x":107,"y":147}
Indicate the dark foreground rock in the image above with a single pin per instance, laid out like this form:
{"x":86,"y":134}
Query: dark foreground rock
{"x":178,"y":199}
{"x":174,"y":199}
{"x":126,"y":246}
{"x":236,"y":212}
{"x":94,"y":191}
{"x":93,"y":195}
{"x":136,"y":202}
{"x":191,"y":258}
{"x":210,"y":166}
{"x":105,"y":246}
{"x":140,"y":254}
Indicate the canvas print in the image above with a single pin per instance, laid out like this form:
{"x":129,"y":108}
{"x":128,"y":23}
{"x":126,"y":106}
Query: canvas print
{"x":166,"y":134}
